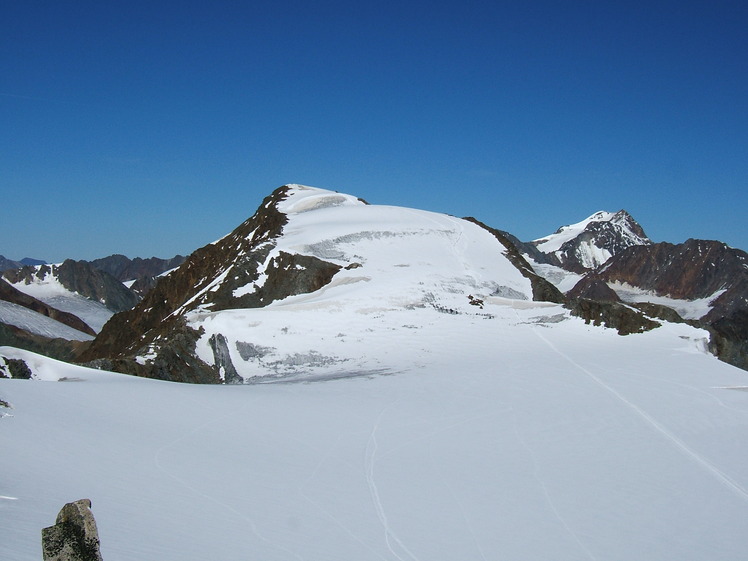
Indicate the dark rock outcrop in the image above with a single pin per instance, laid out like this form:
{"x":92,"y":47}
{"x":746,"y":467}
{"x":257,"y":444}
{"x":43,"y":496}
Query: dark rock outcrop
{"x":74,"y":537}
{"x":14,"y":368}
{"x":591,"y":287}
{"x":621,"y":317}
{"x":729,"y":338}
{"x":222,"y":359}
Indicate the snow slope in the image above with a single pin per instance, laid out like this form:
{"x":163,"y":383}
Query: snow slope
{"x":560,"y":278}
{"x":687,"y":309}
{"x":537,"y":438}
{"x":38,"y":324}
{"x":552,"y":243}
{"x":50,"y":291}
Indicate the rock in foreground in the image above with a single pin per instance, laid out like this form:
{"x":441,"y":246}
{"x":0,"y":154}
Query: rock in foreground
{"x":74,"y":536}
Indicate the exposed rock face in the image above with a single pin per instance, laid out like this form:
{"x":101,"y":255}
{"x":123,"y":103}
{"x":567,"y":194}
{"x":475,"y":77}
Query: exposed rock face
{"x":83,"y":278}
{"x":693,"y":270}
{"x":729,"y":338}
{"x":213,"y":278}
{"x":14,"y":368}
{"x":143,"y":271}
{"x":124,"y":269}
{"x":588,"y":244}
{"x":61,"y":349}
{"x":613,"y":315}
{"x":15,"y":296}
{"x":74,"y":537}
{"x":223,"y":362}
{"x":592,"y":287}
{"x":143,"y":285}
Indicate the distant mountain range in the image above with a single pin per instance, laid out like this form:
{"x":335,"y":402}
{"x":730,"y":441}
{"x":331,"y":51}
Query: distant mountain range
{"x":10,"y":264}
{"x":310,"y":249}
{"x":52,"y":308}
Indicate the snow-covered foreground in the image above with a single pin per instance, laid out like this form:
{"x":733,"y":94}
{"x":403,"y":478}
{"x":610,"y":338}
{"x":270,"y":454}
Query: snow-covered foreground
{"x":531,"y":441}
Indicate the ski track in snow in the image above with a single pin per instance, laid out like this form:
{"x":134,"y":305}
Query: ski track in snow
{"x":463,"y":512}
{"x":547,"y":494}
{"x":197,"y":492}
{"x":322,"y":509}
{"x":719,"y":475}
{"x":694,"y":389}
{"x":371,"y":452}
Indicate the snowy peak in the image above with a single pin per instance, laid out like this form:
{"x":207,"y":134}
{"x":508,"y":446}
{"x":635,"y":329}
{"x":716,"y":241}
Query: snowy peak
{"x":318,"y":257}
{"x":591,"y":242}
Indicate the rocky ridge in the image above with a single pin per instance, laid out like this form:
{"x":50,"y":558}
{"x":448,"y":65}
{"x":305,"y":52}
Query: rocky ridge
{"x":211,"y":277}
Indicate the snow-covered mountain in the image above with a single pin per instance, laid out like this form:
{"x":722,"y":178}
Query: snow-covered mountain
{"x":591,"y":242}
{"x":344,"y":269}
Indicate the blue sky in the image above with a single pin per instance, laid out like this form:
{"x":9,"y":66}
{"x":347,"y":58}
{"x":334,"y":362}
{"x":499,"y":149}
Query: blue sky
{"x":153,"y":128}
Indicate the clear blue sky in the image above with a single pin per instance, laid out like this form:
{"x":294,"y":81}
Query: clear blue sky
{"x":153,"y":128}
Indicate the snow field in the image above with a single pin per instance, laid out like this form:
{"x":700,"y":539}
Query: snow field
{"x":36,"y":323}
{"x":511,"y":451}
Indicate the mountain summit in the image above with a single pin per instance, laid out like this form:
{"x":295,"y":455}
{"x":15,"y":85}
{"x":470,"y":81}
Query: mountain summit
{"x":591,"y":242}
{"x":363,"y":270}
